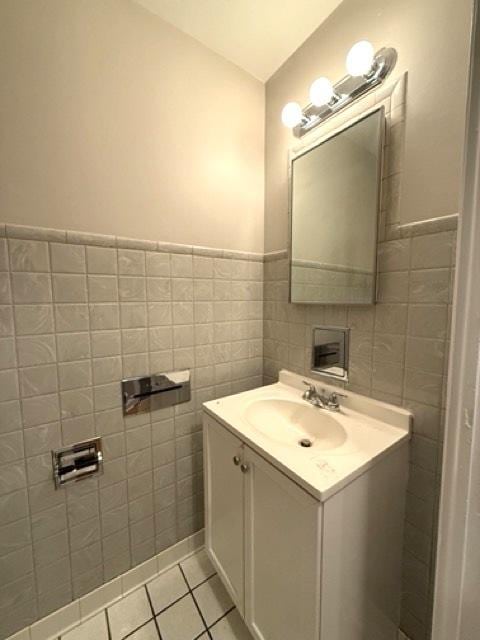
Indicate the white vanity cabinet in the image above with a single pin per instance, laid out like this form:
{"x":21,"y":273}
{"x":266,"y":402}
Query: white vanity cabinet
{"x":225,"y":518}
{"x":263,"y":536}
{"x":282,"y":554}
{"x":298,"y":568}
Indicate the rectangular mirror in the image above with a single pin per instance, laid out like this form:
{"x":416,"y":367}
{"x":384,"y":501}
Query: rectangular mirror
{"x":335,"y":202}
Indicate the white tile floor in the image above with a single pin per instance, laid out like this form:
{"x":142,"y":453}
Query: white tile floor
{"x":186,"y":602}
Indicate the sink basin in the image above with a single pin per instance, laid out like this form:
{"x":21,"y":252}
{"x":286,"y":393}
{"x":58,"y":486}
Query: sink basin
{"x":273,"y":420}
{"x":292,"y":423}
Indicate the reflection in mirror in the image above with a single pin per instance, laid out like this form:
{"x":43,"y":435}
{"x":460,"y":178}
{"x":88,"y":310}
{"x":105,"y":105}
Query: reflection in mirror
{"x":335,"y":200}
{"x":330,"y":351}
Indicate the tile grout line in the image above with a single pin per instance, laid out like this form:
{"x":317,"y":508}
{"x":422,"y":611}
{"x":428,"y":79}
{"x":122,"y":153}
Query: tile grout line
{"x":130,"y":633}
{"x":155,"y":621}
{"x":30,"y":514}
{"x":224,"y":615}
{"x":60,"y":416}
{"x":190,"y":590}
{"x":118,"y":302}
{"x":124,"y":356}
{"x":172,"y":325}
{"x":169,"y":606}
{"x":151,"y":471}
{"x":109,"y":632}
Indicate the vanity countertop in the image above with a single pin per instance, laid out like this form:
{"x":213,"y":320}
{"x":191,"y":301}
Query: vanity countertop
{"x":341,"y":445}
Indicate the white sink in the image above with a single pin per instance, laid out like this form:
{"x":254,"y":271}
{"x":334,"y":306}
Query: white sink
{"x":307,"y":531}
{"x":273,"y":420}
{"x":295,"y":423}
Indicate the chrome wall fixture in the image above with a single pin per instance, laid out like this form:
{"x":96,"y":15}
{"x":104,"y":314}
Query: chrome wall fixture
{"x":77,"y":461}
{"x":152,"y":392}
{"x":366,"y":69}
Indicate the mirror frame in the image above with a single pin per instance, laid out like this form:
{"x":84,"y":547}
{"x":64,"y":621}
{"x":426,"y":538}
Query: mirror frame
{"x":312,"y":143}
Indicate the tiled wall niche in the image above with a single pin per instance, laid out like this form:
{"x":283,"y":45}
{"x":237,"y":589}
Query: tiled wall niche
{"x":78,"y":313}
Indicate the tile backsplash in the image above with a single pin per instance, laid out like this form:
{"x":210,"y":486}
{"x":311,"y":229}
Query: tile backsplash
{"x":398,"y":353}
{"x":77,"y":314}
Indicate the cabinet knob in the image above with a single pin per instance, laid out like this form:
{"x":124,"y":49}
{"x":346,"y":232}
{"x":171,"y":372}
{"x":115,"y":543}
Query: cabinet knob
{"x":236,"y":460}
{"x":244,"y":467}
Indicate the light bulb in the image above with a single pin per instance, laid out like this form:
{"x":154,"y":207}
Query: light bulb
{"x":360,"y":58}
{"x":291,"y":114}
{"x":321,"y":92}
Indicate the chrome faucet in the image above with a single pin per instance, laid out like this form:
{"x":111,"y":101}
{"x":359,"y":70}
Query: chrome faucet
{"x":312,"y":396}
{"x":320,"y":400}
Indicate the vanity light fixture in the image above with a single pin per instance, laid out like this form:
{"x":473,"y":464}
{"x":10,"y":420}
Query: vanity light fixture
{"x":292,"y":114}
{"x":360,"y":58}
{"x":366,"y":70}
{"x":322,"y":92}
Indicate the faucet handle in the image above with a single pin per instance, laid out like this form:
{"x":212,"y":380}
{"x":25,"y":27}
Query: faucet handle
{"x":333,"y":400}
{"x":310,"y":392}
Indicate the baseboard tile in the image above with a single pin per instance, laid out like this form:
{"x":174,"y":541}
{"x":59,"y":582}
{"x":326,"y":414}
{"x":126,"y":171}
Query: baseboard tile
{"x":144,"y":572}
{"x":24,"y":634}
{"x":58,"y":622}
{"x":96,"y":600}
{"x":75,"y":612}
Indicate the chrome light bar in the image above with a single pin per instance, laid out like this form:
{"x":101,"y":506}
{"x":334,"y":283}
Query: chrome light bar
{"x":346,"y":90}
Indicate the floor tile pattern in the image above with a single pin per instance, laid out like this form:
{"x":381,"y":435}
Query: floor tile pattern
{"x":185,"y":602}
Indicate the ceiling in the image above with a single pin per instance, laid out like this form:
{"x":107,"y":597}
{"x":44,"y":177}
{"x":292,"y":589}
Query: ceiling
{"x":257,"y":35}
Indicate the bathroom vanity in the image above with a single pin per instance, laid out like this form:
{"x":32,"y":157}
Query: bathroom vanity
{"x":304,"y":511}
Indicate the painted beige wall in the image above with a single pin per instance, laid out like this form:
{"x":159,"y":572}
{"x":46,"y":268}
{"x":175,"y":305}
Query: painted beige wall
{"x":432,"y":39}
{"x":112,"y":121}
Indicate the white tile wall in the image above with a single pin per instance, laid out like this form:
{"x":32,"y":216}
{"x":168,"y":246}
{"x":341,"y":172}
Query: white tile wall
{"x":74,"y":320}
{"x":398,"y":354}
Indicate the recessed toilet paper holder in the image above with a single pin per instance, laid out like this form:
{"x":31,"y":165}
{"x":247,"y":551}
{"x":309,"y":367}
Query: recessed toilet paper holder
{"x":77,"y":461}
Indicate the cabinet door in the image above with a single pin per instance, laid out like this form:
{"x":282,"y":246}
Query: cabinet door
{"x":282,"y":555}
{"x":224,"y":506}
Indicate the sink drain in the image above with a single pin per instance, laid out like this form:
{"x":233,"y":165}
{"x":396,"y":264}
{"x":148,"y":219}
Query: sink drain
{"x":305,"y":442}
